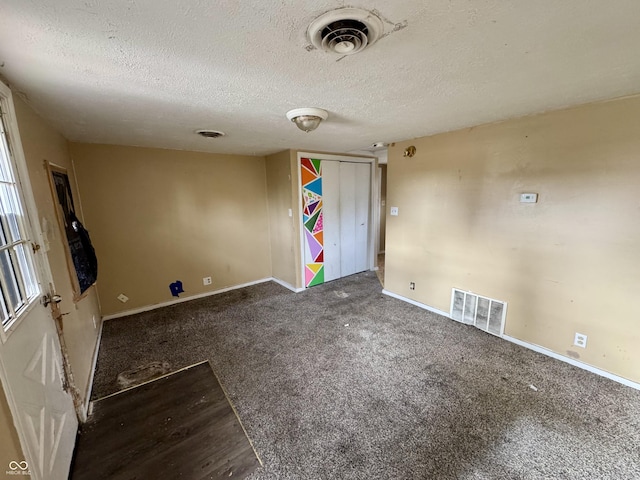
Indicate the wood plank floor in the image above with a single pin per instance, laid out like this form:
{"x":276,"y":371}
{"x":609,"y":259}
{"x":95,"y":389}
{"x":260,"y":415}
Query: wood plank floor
{"x":178,"y":426}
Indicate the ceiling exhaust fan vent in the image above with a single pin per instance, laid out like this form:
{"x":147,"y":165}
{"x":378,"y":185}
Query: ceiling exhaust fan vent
{"x":345,"y":31}
{"x":210,"y":133}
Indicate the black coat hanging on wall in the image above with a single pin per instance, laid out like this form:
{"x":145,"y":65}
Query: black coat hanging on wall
{"x":82,"y":251}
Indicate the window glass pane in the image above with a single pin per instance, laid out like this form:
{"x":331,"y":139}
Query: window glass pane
{"x":5,"y":174}
{"x":3,"y":308}
{"x":9,"y":274}
{"x":11,"y":209}
{"x":3,"y":236}
{"x":26,"y":267}
{"x":18,"y":282}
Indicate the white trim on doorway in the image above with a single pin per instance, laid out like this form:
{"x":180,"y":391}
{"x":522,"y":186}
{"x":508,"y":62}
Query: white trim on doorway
{"x":373,"y":214}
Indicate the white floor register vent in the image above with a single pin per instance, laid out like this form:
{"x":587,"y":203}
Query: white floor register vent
{"x":485,"y":313}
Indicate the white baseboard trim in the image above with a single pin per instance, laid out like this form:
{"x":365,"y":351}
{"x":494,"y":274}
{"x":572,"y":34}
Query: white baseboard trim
{"x":148,"y":308}
{"x":89,"y":390}
{"x":417,"y":304}
{"x":531,"y":346}
{"x":571,"y":361}
{"x":287,"y":285}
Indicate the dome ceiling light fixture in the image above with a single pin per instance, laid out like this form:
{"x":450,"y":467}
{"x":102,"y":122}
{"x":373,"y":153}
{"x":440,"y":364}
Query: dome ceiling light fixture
{"x":345,"y":31}
{"x":307,"y":119}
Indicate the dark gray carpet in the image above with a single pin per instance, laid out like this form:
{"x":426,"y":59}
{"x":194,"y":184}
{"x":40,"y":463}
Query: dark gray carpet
{"x":399,"y":393}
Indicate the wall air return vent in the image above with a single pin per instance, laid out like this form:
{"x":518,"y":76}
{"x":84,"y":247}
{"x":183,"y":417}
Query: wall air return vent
{"x":485,"y":313}
{"x":345,"y":31}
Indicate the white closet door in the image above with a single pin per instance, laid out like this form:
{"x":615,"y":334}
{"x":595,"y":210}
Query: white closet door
{"x":347,"y":218}
{"x":362,"y":188}
{"x":331,"y":218}
{"x":355,"y":188}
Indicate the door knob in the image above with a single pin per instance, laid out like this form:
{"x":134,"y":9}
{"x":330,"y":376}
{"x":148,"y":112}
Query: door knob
{"x":48,"y":299}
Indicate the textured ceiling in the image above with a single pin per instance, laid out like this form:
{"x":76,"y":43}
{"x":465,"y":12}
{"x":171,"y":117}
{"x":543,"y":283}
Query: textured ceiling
{"x":144,"y":72}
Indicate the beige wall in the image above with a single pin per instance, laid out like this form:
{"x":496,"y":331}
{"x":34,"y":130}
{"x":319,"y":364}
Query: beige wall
{"x":281,"y":225}
{"x":40,"y":142}
{"x":566,"y":264}
{"x":10,"y":449}
{"x":157,"y":216}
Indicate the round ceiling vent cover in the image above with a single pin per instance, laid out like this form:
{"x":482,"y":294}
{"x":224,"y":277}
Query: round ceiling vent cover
{"x":345,"y":31}
{"x":210,"y":133}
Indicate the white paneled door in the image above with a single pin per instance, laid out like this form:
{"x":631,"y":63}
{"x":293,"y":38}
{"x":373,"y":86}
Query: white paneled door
{"x":43,"y":412}
{"x":346,"y":198}
{"x":30,"y":355}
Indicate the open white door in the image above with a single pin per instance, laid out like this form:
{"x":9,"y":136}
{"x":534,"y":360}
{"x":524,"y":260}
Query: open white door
{"x":30,"y":355}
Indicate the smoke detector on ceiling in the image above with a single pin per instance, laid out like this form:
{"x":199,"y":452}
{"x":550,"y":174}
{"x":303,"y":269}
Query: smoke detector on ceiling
{"x":345,"y":31}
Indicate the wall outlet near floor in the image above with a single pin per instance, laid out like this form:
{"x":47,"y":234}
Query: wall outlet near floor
{"x":394,"y":211}
{"x":528,"y":197}
{"x":206,"y":280}
{"x":412,"y":285}
{"x":580,"y":340}
{"x":123,"y":298}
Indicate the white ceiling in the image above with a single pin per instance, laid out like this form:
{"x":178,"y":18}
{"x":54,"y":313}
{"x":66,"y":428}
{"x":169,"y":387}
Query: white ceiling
{"x":149,"y":73}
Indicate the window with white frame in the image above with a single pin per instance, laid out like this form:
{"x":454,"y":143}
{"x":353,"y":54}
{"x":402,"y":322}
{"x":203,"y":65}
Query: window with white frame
{"x":18,"y":282}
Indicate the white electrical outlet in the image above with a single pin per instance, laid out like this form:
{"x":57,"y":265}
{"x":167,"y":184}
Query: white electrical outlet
{"x":123,"y":298}
{"x":394,"y":211}
{"x":206,"y":281}
{"x":580,"y":340}
{"x":528,"y":197}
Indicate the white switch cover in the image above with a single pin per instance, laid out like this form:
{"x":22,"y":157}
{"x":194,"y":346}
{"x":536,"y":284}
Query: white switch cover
{"x":528,"y":197}
{"x":290,"y":213}
{"x":394,"y":211}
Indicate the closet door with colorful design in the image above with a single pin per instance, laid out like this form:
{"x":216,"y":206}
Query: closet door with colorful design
{"x":336,"y":218}
{"x":312,"y":221}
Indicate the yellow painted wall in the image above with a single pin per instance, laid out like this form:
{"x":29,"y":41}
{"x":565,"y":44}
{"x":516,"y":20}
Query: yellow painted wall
{"x":566,"y":264}
{"x":10,"y":449}
{"x":40,"y":142}
{"x":281,"y":225}
{"x":157,"y":216}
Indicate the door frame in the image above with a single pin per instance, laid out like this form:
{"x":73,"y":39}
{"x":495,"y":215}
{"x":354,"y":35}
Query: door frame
{"x":373,"y":199}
